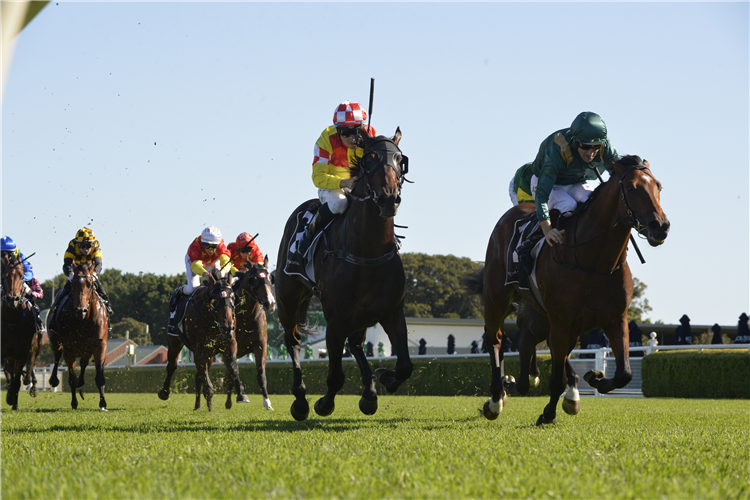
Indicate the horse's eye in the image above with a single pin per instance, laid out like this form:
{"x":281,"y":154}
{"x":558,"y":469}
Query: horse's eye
{"x":630,"y":189}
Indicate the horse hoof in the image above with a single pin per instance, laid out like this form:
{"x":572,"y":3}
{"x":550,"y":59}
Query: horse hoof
{"x":543,"y":421}
{"x":300,"y":411}
{"x":533,"y":382}
{"x":33,"y":392}
{"x":15,"y":407}
{"x":103,"y":408}
{"x":368,"y":407}
{"x":488,"y":413}
{"x":241,"y":398}
{"x":54,"y":381}
{"x":592,"y":377}
{"x":571,"y":407}
{"x":163,"y":395}
{"x":74,"y":405}
{"x":509,"y":383}
{"x":322,"y":411}
{"x":228,"y":404}
{"x":267,"y":404}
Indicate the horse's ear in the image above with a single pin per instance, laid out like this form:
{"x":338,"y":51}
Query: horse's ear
{"x":645,"y":162}
{"x":265,"y":262}
{"x":397,"y":136}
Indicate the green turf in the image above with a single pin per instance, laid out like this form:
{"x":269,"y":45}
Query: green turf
{"x":414,"y":447}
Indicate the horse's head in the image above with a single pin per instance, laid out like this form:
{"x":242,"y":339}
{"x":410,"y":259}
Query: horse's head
{"x":82,"y":289}
{"x":383,"y":167}
{"x":222,"y":301}
{"x":12,"y":280}
{"x":256,"y":282}
{"x":640,"y":194}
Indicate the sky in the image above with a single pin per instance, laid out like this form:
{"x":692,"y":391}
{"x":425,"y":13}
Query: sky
{"x":149,"y":121}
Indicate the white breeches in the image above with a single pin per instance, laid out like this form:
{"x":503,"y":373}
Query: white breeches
{"x":512,"y":191}
{"x":336,"y":199}
{"x":565,"y":198}
{"x":193,"y":280}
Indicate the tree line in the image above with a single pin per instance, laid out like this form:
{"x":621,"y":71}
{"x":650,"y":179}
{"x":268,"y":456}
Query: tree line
{"x":433,"y":290}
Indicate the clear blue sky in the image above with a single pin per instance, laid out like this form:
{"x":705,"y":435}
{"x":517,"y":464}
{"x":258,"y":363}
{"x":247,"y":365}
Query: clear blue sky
{"x":149,"y":121}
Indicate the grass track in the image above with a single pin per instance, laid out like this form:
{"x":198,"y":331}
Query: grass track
{"x":414,"y":447}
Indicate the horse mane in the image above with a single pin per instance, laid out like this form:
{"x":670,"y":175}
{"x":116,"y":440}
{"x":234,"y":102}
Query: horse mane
{"x":625,"y":161}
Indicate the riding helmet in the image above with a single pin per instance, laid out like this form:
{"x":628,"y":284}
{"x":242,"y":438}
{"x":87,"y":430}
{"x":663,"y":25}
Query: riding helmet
{"x":85,"y":234}
{"x":349,"y":114}
{"x":589,"y":128}
{"x":7,"y":244}
{"x":211,"y":235}
{"x":243,"y":238}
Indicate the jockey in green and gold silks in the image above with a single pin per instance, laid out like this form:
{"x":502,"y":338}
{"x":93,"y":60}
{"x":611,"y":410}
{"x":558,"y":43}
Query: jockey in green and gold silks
{"x":520,"y":185}
{"x":565,"y":162}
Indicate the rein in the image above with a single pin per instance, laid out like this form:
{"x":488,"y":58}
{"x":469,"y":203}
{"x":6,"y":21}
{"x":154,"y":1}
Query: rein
{"x":633,"y":222}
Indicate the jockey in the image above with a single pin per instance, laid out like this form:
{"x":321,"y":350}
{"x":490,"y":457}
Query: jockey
{"x":520,"y":185}
{"x":245,"y":252}
{"x":566,"y":161}
{"x":83,"y":249}
{"x":335,"y":150}
{"x":205,"y":253}
{"x":33,"y":289}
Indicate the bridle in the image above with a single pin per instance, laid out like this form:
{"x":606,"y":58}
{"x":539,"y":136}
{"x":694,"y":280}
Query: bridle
{"x":12,"y":298}
{"x":222,"y":295}
{"x":385,"y":156}
{"x":83,"y":277}
{"x":253,"y":274}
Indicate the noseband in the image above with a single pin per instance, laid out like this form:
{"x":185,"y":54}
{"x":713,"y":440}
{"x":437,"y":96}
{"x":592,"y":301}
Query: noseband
{"x":386,"y":155}
{"x":640,"y":228}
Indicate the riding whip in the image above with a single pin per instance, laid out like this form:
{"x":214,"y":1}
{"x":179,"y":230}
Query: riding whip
{"x":240,"y":250}
{"x":369,"y":108}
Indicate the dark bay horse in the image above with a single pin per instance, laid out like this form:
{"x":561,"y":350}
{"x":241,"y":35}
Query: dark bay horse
{"x":81,"y":331}
{"x":18,"y":326}
{"x":209,"y":327}
{"x":359,"y":278}
{"x":584,"y":283}
{"x":254,"y":295}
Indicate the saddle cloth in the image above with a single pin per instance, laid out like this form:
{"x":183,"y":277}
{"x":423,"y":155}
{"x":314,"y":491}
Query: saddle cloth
{"x":176,"y":320}
{"x":303,"y":266}
{"x":522,"y":228}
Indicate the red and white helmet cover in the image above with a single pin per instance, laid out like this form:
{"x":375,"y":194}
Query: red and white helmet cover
{"x":349,"y":114}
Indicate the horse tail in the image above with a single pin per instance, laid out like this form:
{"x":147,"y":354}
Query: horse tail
{"x":473,"y":282}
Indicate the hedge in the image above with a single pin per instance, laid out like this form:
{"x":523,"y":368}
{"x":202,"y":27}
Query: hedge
{"x":692,"y":374}
{"x":431,"y":377}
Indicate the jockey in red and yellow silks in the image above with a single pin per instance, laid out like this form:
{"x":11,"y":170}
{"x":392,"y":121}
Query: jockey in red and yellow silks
{"x":206,"y":252}
{"x":245,"y":255}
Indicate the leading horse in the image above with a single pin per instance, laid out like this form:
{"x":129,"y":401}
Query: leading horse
{"x":18,"y":326}
{"x":359,"y":278}
{"x":81,"y":331}
{"x":584,"y":283}
{"x":209,"y":328}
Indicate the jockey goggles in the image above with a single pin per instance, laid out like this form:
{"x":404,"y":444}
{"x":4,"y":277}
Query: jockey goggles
{"x":586,"y":147}
{"x":209,"y":246}
{"x":348,"y":131}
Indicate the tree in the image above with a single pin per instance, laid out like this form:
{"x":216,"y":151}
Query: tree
{"x":433,"y":288}
{"x":132,"y":329}
{"x":639,"y":306}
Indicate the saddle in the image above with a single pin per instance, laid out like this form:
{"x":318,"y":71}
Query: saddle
{"x":302,"y":265}
{"x":523,"y":229}
{"x":177,"y":308}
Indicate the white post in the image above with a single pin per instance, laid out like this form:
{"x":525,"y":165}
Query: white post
{"x":652,"y":344}
{"x":600,"y":364}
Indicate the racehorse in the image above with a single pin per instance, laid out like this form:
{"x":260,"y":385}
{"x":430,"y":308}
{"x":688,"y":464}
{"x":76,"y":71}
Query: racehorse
{"x":209,"y":328}
{"x":18,"y":326}
{"x":359,"y":279}
{"x":81,"y":330}
{"x":254,"y":298}
{"x":584,"y":283}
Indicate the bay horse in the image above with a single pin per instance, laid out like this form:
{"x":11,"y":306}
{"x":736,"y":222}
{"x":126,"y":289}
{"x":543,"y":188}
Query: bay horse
{"x":359,"y":279}
{"x":253,"y":290}
{"x":81,"y":331}
{"x":209,"y":328}
{"x":584,"y":283}
{"x":18,"y":326}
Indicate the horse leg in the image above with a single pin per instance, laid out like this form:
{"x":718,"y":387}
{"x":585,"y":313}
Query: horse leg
{"x":572,"y":401}
{"x":200,"y":377}
{"x":54,"y":381}
{"x":260,"y":350}
{"x":368,"y":403}
{"x":300,"y":408}
{"x":100,"y":357}
{"x":15,"y":384}
{"x":232,"y":378}
{"x":559,"y":349}
{"x":72,"y":380}
{"x":395,"y":327}
{"x":335,"y":346}
{"x":617,"y":333}
{"x":84,"y":364}
{"x":175,"y":348}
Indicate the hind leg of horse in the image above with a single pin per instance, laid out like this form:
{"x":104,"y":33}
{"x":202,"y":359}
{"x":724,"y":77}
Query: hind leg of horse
{"x":203,"y":365}
{"x":335,"y":381}
{"x":260,"y":350}
{"x":559,"y":350}
{"x":368,"y":403}
{"x":572,"y":401}
{"x":495,"y":314}
{"x":175,"y":348}
{"x":300,"y":408}
{"x":617,"y":333}
{"x":232,"y":379}
{"x":395,"y":327}
{"x":84,"y":363}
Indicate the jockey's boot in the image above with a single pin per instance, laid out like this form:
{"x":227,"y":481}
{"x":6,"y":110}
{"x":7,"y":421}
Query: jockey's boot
{"x":524,"y":251}
{"x":103,"y":295}
{"x":319,"y":222}
{"x":175,"y":299}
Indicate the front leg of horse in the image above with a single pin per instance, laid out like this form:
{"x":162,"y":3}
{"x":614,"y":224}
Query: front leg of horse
{"x":73,"y":383}
{"x":368,"y":403}
{"x":54,"y":381}
{"x":619,"y":342}
{"x":572,"y":401}
{"x":395,"y":327}
{"x":14,"y":385}
{"x":300,"y":408}
{"x":335,"y":346}
{"x":260,"y":363}
{"x":100,"y":382}
{"x":232,"y":378}
{"x":556,"y":382}
{"x":175,"y":348}
{"x":81,"y":381}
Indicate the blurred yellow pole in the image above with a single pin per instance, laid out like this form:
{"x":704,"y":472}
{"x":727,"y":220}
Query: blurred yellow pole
{"x":14,"y":15}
